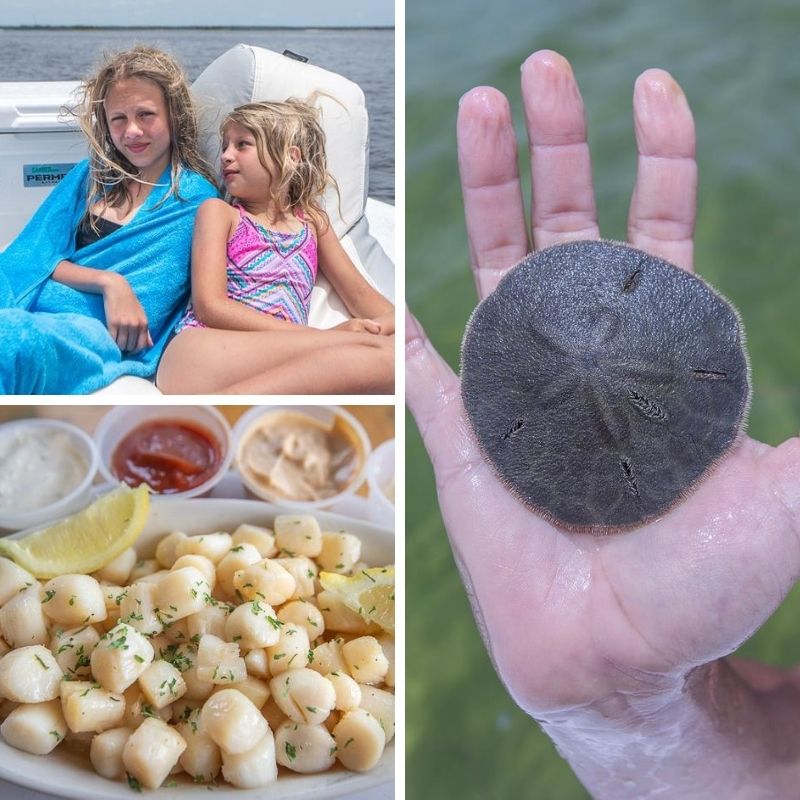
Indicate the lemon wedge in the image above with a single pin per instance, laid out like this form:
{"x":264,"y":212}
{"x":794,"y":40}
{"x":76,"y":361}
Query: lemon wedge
{"x":86,"y":541}
{"x":370,"y":593}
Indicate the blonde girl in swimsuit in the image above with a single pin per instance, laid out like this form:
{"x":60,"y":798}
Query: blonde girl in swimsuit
{"x":254,"y":264}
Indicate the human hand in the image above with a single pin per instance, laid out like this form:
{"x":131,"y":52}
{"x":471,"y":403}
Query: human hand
{"x":125,"y":317}
{"x":386,"y":322}
{"x":607,"y":626}
{"x":357,"y":325}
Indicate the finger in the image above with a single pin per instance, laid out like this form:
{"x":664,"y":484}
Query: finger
{"x":487,"y":162}
{"x":433,"y":393}
{"x":130,"y":342}
{"x":113,"y":331}
{"x":372,"y":326}
{"x":122,"y":337}
{"x":562,"y":206}
{"x":141,"y":339}
{"x":663,"y":206}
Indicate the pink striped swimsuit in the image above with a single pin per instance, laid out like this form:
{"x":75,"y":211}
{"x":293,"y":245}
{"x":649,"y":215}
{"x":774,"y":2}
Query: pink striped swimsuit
{"x":270,"y":271}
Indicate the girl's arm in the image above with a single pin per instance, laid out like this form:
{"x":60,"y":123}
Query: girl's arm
{"x":361,"y":300}
{"x":125,"y":318}
{"x":214,"y":225}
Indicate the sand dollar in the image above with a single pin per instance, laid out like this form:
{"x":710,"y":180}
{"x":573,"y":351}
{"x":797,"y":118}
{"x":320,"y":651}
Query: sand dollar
{"x":602,"y":383}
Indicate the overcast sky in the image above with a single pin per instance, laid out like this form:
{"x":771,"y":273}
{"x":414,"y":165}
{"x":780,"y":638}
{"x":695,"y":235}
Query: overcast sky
{"x":130,"y":13}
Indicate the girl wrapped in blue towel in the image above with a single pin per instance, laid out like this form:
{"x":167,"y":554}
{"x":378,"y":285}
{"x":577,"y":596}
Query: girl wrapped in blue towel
{"x":92,"y":287}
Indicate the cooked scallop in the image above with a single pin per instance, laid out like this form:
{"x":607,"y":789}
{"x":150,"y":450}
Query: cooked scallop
{"x":304,"y":748}
{"x":232,"y":721}
{"x":252,"y":768}
{"x":120,"y":657}
{"x":35,"y":728}
{"x":105,"y":752}
{"x":360,"y":740}
{"x":29,"y":675}
{"x":303,"y":695}
{"x":151,"y":752}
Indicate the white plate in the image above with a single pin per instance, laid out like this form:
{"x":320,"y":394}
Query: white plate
{"x":68,"y":775}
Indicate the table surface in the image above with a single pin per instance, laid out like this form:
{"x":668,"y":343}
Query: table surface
{"x":379,"y":424}
{"x":378,"y":420}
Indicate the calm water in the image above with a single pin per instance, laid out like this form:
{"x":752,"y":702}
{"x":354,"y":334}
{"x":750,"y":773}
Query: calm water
{"x":363,"y":56}
{"x":738,"y":65}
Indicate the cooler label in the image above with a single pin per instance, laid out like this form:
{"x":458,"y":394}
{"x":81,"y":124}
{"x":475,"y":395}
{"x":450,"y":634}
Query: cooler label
{"x":44,"y":174}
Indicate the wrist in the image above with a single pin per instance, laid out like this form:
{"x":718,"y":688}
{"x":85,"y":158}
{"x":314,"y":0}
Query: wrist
{"x":712,"y":734}
{"x":108,"y":281}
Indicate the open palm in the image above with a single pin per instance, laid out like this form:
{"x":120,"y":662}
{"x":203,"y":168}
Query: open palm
{"x":570,"y":619}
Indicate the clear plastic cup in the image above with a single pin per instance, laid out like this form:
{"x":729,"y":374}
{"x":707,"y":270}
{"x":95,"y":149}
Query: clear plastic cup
{"x":253,"y":419}
{"x":76,"y":498}
{"x":120,"y":421}
{"x":380,"y":479}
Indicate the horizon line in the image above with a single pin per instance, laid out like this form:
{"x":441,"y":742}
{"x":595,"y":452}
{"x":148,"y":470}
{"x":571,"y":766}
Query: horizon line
{"x":199,"y":27}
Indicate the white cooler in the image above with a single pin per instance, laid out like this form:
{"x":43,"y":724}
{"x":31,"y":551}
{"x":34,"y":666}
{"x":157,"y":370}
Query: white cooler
{"x":39,"y":142}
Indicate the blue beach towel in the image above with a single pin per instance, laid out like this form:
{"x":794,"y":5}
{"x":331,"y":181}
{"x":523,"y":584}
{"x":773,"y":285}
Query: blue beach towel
{"x":53,"y":339}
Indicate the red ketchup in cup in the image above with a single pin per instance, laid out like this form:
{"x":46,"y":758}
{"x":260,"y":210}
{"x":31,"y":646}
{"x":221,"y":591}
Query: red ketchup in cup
{"x":170,"y":456}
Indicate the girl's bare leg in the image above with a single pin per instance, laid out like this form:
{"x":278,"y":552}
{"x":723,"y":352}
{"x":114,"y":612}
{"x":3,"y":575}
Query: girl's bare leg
{"x":343,"y":369}
{"x":206,"y":360}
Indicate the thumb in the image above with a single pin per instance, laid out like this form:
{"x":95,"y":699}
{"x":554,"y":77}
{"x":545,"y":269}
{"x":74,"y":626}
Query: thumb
{"x":433,"y":394}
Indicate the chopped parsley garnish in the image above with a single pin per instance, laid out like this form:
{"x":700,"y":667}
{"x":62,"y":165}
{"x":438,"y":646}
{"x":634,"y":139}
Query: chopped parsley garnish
{"x":82,"y":659}
{"x":291,"y":752}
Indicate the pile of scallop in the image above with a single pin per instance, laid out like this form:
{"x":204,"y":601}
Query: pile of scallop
{"x":220,"y":656}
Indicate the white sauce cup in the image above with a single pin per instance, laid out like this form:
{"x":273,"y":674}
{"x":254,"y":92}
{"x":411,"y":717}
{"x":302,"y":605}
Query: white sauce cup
{"x":77,"y":497}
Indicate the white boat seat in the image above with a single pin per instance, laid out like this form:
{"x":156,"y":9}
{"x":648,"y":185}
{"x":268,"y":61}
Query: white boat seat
{"x":245,"y":74}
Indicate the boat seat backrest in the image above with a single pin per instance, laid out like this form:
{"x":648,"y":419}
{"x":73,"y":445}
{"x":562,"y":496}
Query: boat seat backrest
{"x":246,"y":74}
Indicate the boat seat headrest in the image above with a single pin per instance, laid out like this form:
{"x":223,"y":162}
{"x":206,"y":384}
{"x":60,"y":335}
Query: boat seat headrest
{"x":246,"y":74}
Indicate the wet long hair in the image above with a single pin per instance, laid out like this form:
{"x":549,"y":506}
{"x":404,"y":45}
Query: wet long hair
{"x":110,"y":172}
{"x":295,"y":185}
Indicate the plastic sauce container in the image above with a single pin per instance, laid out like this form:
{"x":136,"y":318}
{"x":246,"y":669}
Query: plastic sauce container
{"x":301,"y":457}
{"x":179,"y":451}
{"x":380,"y":479}
{"x":46,"y":471}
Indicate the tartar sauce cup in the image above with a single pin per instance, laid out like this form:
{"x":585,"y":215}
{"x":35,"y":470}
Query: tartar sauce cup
{"x":326,"y":416}
{"x":122,"y":420}
{"x":75,"y":497}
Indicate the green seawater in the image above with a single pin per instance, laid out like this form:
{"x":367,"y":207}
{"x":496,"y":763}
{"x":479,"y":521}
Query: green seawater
{"x":737,"y":62}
